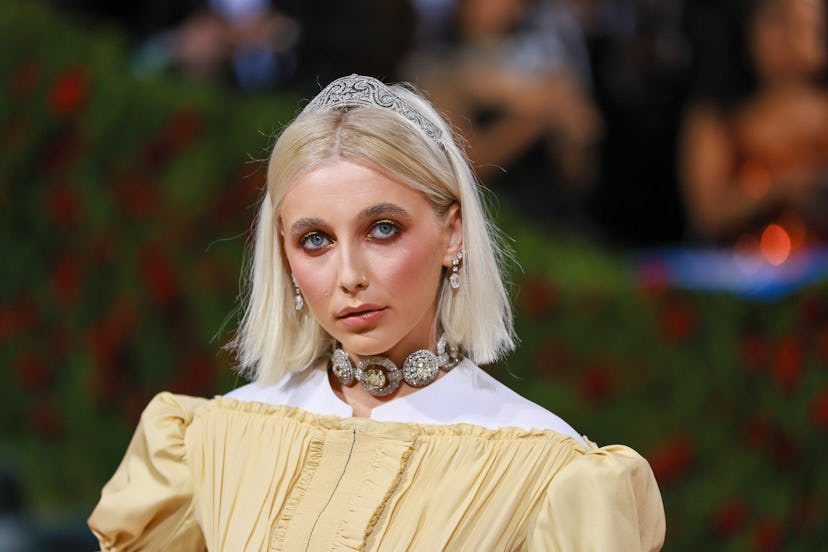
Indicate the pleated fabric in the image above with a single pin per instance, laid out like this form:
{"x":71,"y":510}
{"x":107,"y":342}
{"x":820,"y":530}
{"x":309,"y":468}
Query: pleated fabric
{"x":229,"y":475}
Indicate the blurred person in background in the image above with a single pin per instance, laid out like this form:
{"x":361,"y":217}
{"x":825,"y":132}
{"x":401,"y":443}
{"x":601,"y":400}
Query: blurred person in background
{"x":754,"y":153}
{"x":639,"y":58}
{"x":513,"y":75}
{"x":369,"y":37}
{"x":262,"y":44}
{"x":247,"y":41}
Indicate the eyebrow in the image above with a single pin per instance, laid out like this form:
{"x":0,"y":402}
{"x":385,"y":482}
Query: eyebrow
{"x":303,"y":224}
{"x":383,"y":209}
{"x":379,"y":210}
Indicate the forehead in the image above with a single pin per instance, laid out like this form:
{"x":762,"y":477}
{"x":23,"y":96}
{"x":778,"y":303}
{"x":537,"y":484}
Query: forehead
{"x":343,"y":188}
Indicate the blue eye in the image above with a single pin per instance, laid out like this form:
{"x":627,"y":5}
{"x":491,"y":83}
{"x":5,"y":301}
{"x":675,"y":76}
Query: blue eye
{"x":384,"y":230}
{"x":314,"y":241}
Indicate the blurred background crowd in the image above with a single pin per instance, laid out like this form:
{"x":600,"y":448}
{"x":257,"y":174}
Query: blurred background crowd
{"x":642,"y":122}
{"x":659,"y":166}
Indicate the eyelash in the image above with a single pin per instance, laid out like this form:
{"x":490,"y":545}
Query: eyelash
{"x":304,"y":241}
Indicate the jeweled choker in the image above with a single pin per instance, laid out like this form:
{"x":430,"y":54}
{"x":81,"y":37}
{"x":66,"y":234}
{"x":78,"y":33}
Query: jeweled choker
{"x":380,"y":376}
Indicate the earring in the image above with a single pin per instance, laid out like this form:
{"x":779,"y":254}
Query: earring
{"x":298,"y":300}
{"x":454,"y":279}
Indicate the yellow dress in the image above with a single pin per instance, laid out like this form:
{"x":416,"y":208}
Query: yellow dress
{"x":237,"y":475}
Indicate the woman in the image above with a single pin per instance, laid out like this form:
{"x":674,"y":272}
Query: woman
{"x":375,"y":288}
{"x":754,"y":161}
{"x":513,"y":74}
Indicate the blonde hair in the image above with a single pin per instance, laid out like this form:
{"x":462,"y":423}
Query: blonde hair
{"x":273,"y":339}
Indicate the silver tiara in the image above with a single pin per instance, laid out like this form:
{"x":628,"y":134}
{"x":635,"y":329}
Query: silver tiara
{"x":360,"y":91}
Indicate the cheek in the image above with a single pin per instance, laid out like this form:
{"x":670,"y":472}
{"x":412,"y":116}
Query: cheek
{"x":310,"y":277}
{"x":413,"y":270}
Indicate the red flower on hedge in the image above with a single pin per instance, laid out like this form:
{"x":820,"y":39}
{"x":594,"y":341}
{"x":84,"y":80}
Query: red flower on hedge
{"x":137,"y":196}
{"x":244,"y":190}
{"x":107,"y":384}
{"x":653,"y":276}
{"x":787,"y":365}
{"x":31,"y":371}
{"x":758,"y":431}
{"x":18,"y":317}
{"x":133,"y":405}
{"x":808,"y":512}
{"x":7,"y":322}
{"x":107,"y":338}
{"x":158,"y":275}
{"x":196,"y":377}
{"x":64,"y":207}
{"x":785,"y":450}
{"x":671,"y":459}
{"x":819,"y":410}
{"x":45,"y":419}
{"x":23,"y":79}
{"x":597,"y":384}
{"x":811,"y":311}
{"x":730,"y":516}
{"x":678,"y":321}
{"x":552,"y":358}
{"x":112,"y":331}
{"x":537,"y":295}
{"x":66,"y":279}
{"x":101,"y":247}
{"x":754,"y":352}
{"x":822,"y":343}
{"x":58,"y":154}
{"x":182,"y":128}
{"x":768,"y":535}
{"x":69,"y":91}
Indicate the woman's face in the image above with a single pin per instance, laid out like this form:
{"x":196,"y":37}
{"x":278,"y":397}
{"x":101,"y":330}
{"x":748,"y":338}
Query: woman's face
{"x":787,"y":40}
{"x":367,"y":253}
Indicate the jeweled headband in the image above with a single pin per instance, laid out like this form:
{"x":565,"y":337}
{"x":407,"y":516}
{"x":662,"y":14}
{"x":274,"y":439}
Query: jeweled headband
{"x":361,"y":91}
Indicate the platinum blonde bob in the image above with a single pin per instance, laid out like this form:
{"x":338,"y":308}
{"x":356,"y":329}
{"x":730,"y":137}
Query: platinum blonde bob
{"x":274,"y":339}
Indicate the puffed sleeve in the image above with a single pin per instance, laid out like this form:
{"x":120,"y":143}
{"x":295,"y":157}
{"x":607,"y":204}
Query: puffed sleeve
{"x":148,"y":503}
{"x":607,"y":499}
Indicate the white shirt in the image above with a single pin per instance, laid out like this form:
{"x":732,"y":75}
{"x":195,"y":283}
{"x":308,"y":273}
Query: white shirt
{"x":466,"y":395}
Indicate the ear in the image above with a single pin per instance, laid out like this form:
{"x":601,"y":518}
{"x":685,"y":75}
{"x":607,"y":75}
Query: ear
{"x":453,"y":227}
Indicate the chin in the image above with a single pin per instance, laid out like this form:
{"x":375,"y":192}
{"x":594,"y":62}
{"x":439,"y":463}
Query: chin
{"x":365,"y":344}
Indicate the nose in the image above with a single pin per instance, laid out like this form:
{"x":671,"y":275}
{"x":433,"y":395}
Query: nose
{"x":352,"y":272}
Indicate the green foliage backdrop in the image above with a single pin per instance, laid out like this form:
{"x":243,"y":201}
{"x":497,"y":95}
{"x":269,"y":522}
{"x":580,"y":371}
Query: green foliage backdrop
{"x":125,"y":205}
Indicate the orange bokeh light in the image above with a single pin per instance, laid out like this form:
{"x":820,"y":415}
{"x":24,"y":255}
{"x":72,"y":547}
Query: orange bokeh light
{"x":775,"y":244}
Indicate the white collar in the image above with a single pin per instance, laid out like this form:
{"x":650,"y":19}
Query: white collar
{"x":467,"y":394}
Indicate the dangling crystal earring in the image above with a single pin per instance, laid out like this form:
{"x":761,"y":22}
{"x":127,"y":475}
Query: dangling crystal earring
{"x":454,"y":279}
{"x":298,"y":300}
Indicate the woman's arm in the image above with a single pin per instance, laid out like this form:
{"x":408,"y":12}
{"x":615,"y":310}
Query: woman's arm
{"x":717,"y":205}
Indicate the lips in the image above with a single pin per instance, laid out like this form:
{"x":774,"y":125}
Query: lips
{"x":353,"y":312}
{"x":362,"y":317}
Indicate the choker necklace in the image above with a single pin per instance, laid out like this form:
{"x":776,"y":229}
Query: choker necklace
{"x":380,"y":376}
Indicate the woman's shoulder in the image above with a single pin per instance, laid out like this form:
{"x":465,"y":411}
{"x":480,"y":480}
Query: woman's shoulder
{"x":614,"y":488}
{"x":149,"y":498}
{"x":480,"y":397}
